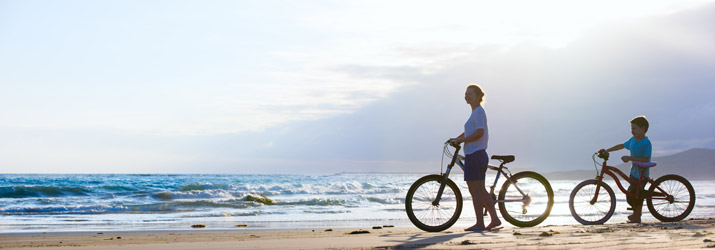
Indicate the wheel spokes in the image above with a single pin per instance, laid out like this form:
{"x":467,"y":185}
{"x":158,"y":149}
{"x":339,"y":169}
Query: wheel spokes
{"x":592,"y":212}
{"x":532,"y":188}
{"x":680,"y":199}
{"x":428,"y":213}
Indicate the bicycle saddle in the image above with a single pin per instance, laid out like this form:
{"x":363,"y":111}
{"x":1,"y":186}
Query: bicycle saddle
{"x":504,"y":158}
{"x":644,"y":164}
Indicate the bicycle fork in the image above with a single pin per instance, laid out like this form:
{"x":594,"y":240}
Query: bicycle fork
{"x":599,"y":180}
{"x":441,"y":186}
{"x":445,"y":177}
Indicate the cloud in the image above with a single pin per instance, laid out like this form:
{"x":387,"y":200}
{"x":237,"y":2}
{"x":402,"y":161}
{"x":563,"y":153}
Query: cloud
{"x":550,"y":107}
{"x":368,"y":100}
{"x":192,"y":106}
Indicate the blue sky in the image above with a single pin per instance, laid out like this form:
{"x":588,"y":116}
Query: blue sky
{"x":333,"y":86}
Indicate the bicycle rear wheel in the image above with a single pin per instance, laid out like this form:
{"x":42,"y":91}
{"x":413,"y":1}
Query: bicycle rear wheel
{"x":588,"y":213}
{"x":671,"y":198}
{"x":428,"y":216}
{"x":538,"y":199}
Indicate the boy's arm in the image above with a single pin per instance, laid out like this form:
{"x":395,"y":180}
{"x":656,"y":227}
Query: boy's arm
{"x":616,"y":148}
{"x":640,"y":159}
{"x":642,"y":151}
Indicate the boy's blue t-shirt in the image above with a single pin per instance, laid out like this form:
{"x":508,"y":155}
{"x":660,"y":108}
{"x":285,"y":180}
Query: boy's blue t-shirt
{"x":639,"y":149}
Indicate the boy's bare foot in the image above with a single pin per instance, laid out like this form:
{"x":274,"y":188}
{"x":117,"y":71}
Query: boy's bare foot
{"x":475,"y":228}
{"x":493,"y":225}
{"x":634,"y":219}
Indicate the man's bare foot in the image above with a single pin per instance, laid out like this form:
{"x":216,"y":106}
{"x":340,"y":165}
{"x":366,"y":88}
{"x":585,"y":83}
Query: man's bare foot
{"x":475,"y":228}
{"x":493,"y":225}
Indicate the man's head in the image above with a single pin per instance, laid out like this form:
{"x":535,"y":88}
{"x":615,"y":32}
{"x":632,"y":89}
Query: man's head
{"x":474,"y":94}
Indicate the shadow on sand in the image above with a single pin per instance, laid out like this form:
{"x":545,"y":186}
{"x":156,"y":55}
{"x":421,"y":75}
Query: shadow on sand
{"x":428,"y":239}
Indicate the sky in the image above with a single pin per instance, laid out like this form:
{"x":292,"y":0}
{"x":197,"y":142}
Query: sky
{"x":306,"y":87}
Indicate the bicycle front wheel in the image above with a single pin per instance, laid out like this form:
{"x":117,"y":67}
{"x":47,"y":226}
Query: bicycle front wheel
{"x":529,"y":207}
{"x":427,"y":214}
{"x":671,"y":198}
{"x":592,"y":213}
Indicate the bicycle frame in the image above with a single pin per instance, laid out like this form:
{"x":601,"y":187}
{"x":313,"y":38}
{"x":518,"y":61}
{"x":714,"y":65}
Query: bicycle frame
{"x":500,"y":171}
{"x":614,"y":173}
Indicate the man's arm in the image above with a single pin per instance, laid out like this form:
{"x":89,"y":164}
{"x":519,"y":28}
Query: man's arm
{"x":473,"y":137}
{"x":457,"y":139}
{"x":460,"y":136}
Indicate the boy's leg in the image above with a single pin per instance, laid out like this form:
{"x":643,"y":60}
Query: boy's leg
{"x":638,"y":209}
{"x":633,"y":202}
{"x":637,"y":212}
{"x":636,"y":203}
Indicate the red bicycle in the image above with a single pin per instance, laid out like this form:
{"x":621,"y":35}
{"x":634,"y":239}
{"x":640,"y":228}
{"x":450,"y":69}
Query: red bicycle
{"x":669,"y":198}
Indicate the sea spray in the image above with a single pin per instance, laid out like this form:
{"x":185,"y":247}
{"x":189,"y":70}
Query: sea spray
{"x":138,"y":202}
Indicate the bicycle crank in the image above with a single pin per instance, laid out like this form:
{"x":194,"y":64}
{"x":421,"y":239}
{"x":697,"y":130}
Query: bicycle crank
{"x":527,"y":201}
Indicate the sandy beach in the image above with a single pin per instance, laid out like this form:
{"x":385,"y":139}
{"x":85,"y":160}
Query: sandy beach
{"x":689,"y":234}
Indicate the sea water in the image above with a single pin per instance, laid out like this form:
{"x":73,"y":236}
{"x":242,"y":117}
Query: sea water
{"x":79,"y":202}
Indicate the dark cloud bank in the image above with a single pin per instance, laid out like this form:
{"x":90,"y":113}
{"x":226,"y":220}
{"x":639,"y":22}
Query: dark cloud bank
{"x":550,"y":107}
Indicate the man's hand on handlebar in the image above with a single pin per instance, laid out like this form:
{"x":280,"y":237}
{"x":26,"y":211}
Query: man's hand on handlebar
{"x":454,"y":141}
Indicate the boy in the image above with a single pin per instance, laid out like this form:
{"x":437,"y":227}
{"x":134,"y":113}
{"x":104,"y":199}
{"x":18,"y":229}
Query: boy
{"x":640,"y":148}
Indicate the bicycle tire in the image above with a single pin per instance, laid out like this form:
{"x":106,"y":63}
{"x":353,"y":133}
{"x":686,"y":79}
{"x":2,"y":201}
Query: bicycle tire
{"x":534,"y":185}
{"x":674,"y":185}
{"x":580,"y":203}
{"x":425,"y":215}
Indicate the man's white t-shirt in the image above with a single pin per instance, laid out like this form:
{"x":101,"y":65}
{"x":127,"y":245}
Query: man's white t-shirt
{"x":477,"y":120}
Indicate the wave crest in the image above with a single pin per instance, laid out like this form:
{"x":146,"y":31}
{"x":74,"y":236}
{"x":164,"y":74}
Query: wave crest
{"x":41,"y":191}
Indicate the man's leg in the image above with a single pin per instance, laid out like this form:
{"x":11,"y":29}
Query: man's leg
{"x":489,"y":204}
{"x":478,"y":201}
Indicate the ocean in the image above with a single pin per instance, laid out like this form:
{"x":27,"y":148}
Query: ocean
{"x":125,"y":202}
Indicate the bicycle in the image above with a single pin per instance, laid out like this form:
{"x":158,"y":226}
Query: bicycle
{"x":434,"y":202}
{"x":670,"y":198}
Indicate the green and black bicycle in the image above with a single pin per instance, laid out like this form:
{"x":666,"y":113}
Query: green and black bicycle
{"x":434,"y":202}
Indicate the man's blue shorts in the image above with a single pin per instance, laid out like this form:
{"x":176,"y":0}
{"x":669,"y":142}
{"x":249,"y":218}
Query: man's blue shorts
{"x":475,"y":166}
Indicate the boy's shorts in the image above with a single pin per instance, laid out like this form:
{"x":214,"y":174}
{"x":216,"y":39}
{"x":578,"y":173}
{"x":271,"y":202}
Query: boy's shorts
{"x":475,"y":166}
{"x":631,"y":189}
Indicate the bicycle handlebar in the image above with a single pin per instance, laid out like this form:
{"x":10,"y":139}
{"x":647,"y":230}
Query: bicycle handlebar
{"x":452,"y":143}
{"x":603,"y":154}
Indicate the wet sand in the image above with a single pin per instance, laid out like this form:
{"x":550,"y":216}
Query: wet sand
{"x":688,"y":234}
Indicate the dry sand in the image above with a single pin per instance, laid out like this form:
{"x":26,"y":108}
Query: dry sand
{"x":689,"y":234}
